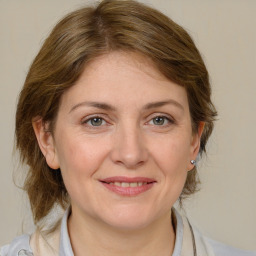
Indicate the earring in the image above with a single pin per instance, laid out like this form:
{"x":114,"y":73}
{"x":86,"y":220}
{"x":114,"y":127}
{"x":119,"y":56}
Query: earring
{"x":193,"y":162}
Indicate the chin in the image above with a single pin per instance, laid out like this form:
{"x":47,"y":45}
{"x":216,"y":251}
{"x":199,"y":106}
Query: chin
{"x":129,"y":220}
{"x":127,"y":225}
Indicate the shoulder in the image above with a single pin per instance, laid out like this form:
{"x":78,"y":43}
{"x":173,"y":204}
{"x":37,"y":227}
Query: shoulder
{"x":220,"y":249}
{"x":223,"y":249}
{"x":19,"y":246}
{"x":207,"y":246}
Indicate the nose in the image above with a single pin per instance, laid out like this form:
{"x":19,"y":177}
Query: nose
{"x":129,"y":147}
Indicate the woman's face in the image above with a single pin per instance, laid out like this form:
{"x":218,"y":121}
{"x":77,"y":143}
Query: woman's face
{"x":123,"y":141}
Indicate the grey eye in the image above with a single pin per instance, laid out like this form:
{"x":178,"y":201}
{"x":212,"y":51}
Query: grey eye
{"x":96,"y":121}
{"x":159,"y":120}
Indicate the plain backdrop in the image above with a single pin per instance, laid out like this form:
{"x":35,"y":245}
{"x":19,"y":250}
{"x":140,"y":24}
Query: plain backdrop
{"x":224,"y":31}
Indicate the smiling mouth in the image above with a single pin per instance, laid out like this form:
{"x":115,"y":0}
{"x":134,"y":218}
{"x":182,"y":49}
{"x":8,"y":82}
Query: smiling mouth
{"x":125,"y":186}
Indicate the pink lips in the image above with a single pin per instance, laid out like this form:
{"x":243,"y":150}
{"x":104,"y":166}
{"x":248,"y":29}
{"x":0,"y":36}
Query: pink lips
{"x":127,"y":186}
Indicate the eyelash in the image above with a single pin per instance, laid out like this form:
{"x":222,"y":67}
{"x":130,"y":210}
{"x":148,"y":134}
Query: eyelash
{"x":167,"y":121}
{"x":90,"y":119}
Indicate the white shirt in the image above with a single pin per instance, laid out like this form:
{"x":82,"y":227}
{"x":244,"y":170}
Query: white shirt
{"x":189,"y":242}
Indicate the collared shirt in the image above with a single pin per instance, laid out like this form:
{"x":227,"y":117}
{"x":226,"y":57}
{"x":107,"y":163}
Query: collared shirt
{"x":188,"y":242}
{"x":66,"y":249}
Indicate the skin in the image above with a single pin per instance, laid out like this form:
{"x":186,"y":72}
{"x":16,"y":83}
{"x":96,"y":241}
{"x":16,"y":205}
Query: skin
{"x":131,"y":137}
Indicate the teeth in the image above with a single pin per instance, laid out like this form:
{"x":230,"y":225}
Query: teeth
{"x":134,"y":184}
{"x":126,"y":184}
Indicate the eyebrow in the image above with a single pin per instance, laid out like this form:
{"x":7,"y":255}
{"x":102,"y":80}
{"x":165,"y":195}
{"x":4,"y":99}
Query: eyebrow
{"x":93,"y":104}
{"x":108,"y":107}
{"x":163,"y":103}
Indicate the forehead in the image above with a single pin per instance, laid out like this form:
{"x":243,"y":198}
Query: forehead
{"x":120,"y":64}
{"x":123,"y":78}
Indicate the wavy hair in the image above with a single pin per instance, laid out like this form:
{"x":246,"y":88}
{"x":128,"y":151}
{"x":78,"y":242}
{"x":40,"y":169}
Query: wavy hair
{"x":76,"y":40}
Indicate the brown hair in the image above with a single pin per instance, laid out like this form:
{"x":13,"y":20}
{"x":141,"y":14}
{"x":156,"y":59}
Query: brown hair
{"x":79,"y":38}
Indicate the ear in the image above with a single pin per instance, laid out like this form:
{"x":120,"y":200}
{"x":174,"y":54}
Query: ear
{"x":46,"y":142}
{"x":195,"y":144}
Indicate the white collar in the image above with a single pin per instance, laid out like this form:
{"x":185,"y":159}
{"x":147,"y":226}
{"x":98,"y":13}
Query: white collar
{"x":65,"y":244}
{"x":187,"y":240}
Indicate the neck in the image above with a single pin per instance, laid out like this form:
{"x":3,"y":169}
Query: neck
{"x":93,"y":238}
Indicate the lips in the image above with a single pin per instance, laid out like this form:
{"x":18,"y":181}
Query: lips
{"x":127,"y":186}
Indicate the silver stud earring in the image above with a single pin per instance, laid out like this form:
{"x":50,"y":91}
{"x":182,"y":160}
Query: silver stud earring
{"x":193,"y":162}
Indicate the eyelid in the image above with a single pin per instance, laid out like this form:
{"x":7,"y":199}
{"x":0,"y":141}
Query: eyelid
{"x":102,"y":116}
{"x":167,"y":121}
{"x":90,"y":117}
{"x":167,"y":116}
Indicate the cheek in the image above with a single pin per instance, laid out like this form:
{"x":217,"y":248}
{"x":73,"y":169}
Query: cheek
{"x":80,"y":158}
{"x":172,"y":153}
{"x":171,"y":158}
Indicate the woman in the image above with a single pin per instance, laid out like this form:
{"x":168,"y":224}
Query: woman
{"x":115,"y":109}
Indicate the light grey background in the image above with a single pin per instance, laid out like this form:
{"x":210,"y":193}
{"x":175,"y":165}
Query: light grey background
{"x":224,"y":31}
